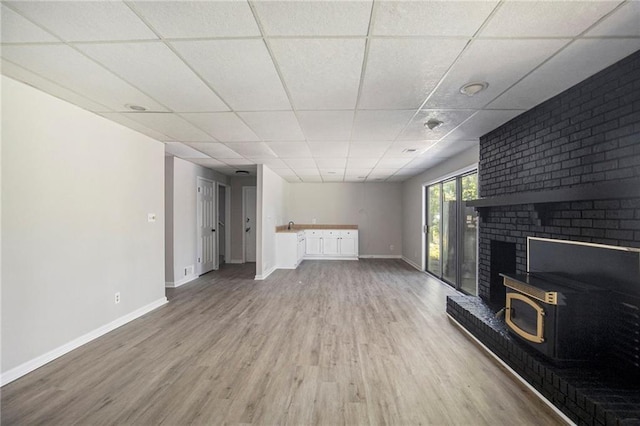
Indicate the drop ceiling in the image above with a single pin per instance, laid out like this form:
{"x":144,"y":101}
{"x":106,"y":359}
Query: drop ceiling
{"x":319,"y":91}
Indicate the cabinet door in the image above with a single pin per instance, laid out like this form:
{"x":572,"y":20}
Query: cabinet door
{"x":347,"y":246}
{"x":330,"y":245}
{"x":313,"y":245}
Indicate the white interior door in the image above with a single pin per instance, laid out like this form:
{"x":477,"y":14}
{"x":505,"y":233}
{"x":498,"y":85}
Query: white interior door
{"x":249,"y":222}
{"x":206,"y":225}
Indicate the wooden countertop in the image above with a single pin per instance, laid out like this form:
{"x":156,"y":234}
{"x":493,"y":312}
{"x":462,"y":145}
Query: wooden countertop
{"x":302,"y":227}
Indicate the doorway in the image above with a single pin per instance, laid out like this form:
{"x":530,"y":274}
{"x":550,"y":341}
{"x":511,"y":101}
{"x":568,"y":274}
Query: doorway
{"x":224,"y":229}
{"x":206,"y":225}
{"x":249,"y":224}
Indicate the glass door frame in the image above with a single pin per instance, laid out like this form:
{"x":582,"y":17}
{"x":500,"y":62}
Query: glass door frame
{"x":459,"y":240}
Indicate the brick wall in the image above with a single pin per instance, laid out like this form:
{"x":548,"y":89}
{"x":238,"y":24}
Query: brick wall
{"x":585,"y":135}
{"x":589,"y":133}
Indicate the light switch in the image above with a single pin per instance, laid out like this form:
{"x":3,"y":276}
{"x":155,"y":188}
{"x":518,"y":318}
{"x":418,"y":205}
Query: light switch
{"x":151,"y":217}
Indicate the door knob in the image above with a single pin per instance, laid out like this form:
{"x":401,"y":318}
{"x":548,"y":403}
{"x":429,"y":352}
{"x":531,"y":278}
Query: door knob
{"x":213,"y":230}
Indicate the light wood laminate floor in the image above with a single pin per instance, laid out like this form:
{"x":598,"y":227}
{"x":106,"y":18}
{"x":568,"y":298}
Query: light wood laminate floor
{"x":333,"y":342}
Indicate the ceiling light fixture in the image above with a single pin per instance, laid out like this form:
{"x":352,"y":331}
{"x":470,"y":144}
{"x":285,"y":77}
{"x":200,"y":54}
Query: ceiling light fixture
{"x":471,"y":89}
{"x":242,"y":172}
{"x":135,"y":107}
{"x":433,"y":124}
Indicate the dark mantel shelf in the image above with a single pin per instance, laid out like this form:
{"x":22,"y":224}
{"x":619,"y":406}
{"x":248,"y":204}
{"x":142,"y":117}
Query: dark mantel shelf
{"x":601,"y":191}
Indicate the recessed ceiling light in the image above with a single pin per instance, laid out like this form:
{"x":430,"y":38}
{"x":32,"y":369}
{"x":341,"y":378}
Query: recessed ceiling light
{"x":242,"y":172}
{"x":433,"y":124}
{"x":411,"y":149}
{"x":473,"y":88}
{"x":135,"y":107}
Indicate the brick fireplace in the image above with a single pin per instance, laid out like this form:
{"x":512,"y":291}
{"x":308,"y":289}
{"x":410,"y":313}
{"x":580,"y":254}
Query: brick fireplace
{"x":567,"y":169}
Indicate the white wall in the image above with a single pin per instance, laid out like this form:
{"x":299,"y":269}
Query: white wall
{"x":184,"y":250}
{"x":76,"y":191}
{"x":272,"y":194}
{"x":375,"y":207}
{"x":413,"y":203}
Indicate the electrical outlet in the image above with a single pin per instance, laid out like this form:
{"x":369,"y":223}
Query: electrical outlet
{"x":392,"y":247}
{"x":117,"y":298}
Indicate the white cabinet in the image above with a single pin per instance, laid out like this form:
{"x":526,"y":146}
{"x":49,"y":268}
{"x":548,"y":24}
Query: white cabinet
{"x":313,"y":242}
{"x":331,"y":244}
{"x":290,"y":249}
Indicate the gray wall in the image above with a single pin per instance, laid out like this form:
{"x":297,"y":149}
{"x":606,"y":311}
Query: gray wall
{"x":76,"y":192}
{"x":184,"y":250}
{"x":236,"y":185}
{"x":413,"y":203}
{"x":375,"y":207}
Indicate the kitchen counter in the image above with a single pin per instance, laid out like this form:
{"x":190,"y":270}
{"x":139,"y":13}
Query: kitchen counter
{"x":302,"y":227}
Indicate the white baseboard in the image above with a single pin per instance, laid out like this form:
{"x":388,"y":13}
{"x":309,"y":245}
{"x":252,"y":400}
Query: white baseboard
{"x":329,"y":258}
{"x":29,"y":366}
{"x":380,"y":256}
{"x":412,"y":263}
{"x":264,"y":276}
{"x":511,"y":371}
{"x":183,"y":281}
{"x":235,"y":261}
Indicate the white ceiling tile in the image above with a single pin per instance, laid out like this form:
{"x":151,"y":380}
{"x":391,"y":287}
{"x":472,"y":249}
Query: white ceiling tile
{"x":332,"y":178}
{"x":19,"y":73}
{"x":379,"y":125}
{"x":224,"y":126}
{"x":545,"y":18}
{"x":290,"y":149}
{"x":183,"y":151}
{"x":301,"y":163}
{"x":285,"y":173}
{"x":433,"y":18}
{"x":329,"y":149}
{"x":401,"y":73}
{"x":332,"y":171}
{"x":396,"y":163}
{"x":386,"y":172}
{"x":314,"y":18}
{"x":450,"y":148}
{"x":74,"y":71}
{"x":411,"y":172}
{"x":274,"y":125}
{"x":362,"y":163}
{"x":14,"y":28}
{"x":397,"y":178}
{"x":326,"y":125}
{"x":238,"y":162}
{"x":623,"y":22}
{"x":578,"y":61}
{"x":422,"y":163}
{"x":86,"y":21}
{"x":127,"y":122}
{"x":240,"y":71}
{"x":139,"y":63}
{"x":252,"y":149}
{"x":302,"y":173}
{"x":272,"y":163}
{"x":293,"y":179}
{"x":215,"y":150}
{"x":407,"y":149}
{"x":192,"y":19}
{"x":228,"y":170}
{"x":208,"y":162}
{"x":481,"y":123}
{"x":416,"y":130}
{"x":320,"y":73}
{"x":498,"y":62}
{"x":170,"y":125}
{"x":331,"y":163}
{"x":311,"y":179}
{"x":357,"y":172}
{"x":368,"y":149}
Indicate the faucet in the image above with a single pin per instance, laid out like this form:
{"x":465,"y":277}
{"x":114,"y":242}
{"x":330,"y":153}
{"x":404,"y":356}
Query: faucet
{"x":290,"y":223}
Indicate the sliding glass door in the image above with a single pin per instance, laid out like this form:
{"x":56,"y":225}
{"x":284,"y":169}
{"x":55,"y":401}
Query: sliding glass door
{"x":451,"y":231}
